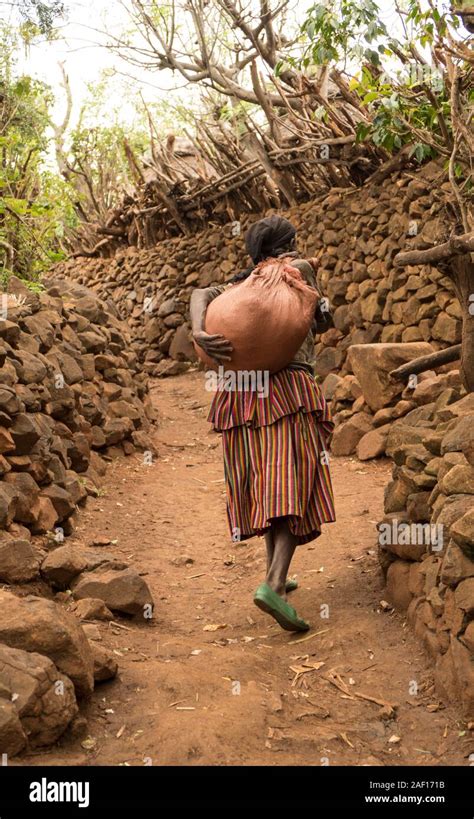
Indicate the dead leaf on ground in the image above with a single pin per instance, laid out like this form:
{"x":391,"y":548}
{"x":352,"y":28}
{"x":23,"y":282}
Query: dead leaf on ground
{"x":304,"y":668}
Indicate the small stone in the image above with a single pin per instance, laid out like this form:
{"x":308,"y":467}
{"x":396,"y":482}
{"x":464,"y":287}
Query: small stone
{"x":105,"y":664}
{"x":91,"y":608}
{"x":121,"y":590}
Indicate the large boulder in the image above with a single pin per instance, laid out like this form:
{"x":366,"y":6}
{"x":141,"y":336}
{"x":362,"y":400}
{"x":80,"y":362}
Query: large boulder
{"x":33,"y":624}
{"x":42,"y":697}
{"x":372,"y":364}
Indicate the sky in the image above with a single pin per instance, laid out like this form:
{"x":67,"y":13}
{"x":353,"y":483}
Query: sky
{"x":80,"y":46}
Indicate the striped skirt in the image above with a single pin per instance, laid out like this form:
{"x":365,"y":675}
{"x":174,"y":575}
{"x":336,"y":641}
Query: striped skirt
{"x":275,"y":456}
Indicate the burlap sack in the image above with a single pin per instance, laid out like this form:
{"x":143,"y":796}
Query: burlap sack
{"x":266,"y":317}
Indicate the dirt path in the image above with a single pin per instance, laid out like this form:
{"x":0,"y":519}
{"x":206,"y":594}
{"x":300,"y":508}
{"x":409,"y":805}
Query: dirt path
{"x":187,"y":694}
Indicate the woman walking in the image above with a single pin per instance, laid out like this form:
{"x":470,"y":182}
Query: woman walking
{"x":275,"y":446}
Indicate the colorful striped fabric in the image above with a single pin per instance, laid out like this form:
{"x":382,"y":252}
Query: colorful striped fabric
{"x":275,"y":461}
{"x":288,"y":391}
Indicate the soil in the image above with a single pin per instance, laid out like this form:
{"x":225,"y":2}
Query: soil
{"x":211,"y":679}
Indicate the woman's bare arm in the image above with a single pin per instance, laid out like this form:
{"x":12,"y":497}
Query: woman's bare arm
{"x":215,"y":346}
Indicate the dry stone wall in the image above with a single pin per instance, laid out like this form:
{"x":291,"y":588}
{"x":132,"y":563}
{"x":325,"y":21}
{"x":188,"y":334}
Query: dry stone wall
{"x":71,"y":398}
{"x":357,"y":233}
{"x":426,"y":539}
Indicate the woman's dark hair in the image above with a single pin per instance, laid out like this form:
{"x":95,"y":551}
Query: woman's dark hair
{"x":269,"y":237}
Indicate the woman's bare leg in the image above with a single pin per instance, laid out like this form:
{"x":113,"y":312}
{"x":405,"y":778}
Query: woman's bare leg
{"x":270,"y":546}
{"x":284,"y":547}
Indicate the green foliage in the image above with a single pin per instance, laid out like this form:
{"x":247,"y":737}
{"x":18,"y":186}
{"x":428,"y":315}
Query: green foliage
{"x":98,"y":166}
{"x":401,"y":91}
{"x":339,"y":29}
{"x":39,"y":16}
{"x":33,"y":202}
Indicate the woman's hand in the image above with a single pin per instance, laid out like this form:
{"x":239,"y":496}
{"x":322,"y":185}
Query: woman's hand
{"x":215,"y":346}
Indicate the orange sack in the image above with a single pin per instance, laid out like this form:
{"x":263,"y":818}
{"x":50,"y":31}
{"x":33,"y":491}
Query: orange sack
{"x":266,"y":317}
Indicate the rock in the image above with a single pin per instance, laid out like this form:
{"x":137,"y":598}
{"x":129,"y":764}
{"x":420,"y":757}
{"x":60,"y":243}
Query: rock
{"x":447,"y":329}
{"x":8,"y":504}
{"x":383,"y":416}
{"x":25,"y":433}
{"x":410,"y":541}
{"x":455,"y":507}
{"x":347,"y":435}
{"x":91,"y":608}
{"x":372,"y":444}
{"x":397,"y":584}
{"x":372,"y":364}
{"x":418,"y":507}
{"x":454,"y":676}
{"x":459,"y":437}
{"x":433,"y":440}
{"x":37,"y":625}
{"x":7,"y":444}
{"x":92,"y":631}
{"x":116,"y":430}
{"x":327,"y":360}
{"x":27,"y":491}
{"x":167,"y":307}
{"x":93,"y":342}
{"x":456,"y":565}
{"x":13,"y":738}
{"x":402,"y":407}
{"x":464,"y":596}
{"x":181,"y":347}
{"x":448,"y":461}
{"x":43,"y":698}
{"x":453,"y":617}
{"x":45,"y":516}
{"x":121,"y":590}
{"x":347,"y":389}
{"x":396,"y":495}
{"x":468,"y":637}
{"x":459,"y":480}
{"x":430,"y":568}
{"x":402,"y":435}
{"x":61,"y":500}
{"x":329,"y":385}
{"x":9,"y":403}
{"x":62,"y":565}
{"x":105,"y":664}
{"x":462,"y":531}
{"x":416,"y":580}
{"x":19,"y":561}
